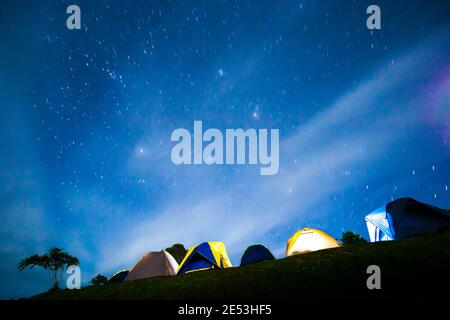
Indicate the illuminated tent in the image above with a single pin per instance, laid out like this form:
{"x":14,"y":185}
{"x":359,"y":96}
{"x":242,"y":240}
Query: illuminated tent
{"x":205,"y":256}
{"x":119,"y":276}
{"x":406,"y":217}
{"x":307,"y":240}
{"x":256,"y":253}
{"x":153,"y":264}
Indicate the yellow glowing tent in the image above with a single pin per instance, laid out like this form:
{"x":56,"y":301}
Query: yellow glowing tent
{"x":307,"y":240}
{"x":205,"y":256}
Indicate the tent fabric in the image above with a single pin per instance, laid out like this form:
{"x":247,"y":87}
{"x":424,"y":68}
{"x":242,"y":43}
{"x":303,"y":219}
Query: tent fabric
{"x":256,"y":253}
{"x":119,"y":276}
{"x":307,"y":240}
{"x":380,"y":229}
{"x":406,"y":217}
{"x":153,"y":264}
{"x":205,"y":256}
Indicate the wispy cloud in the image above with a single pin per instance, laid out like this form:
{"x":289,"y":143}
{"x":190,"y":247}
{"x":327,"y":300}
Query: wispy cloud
{"x":316,"y":162}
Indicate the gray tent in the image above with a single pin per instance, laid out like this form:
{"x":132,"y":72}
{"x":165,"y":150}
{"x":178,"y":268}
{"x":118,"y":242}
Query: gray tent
{"x":153,"y":264}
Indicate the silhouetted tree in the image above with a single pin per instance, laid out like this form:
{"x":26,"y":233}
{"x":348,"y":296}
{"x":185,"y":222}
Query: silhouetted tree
{"x":178,"y":251}
{"x":99,"y":280}
{"x":54,"y":260}
{"x":349,"y":237}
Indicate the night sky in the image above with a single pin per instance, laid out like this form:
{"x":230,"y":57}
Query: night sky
{"x":87,"y":115}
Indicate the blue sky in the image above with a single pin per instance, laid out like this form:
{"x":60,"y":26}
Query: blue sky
{"x":87,"y":117}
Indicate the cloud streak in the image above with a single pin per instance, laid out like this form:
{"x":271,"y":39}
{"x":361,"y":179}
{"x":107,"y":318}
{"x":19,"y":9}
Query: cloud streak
{"x":315,"y":164}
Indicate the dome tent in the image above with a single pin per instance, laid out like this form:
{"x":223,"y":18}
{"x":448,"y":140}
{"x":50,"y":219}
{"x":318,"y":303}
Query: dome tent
{"x":205,"y":256}
{"x":406,"y":217}
{"x":307,"y":240}
{"x":119,"y":276}
{"x":153,"y":264}
{"x":256,"y":253}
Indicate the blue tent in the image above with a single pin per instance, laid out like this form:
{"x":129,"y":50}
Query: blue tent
{"x":406,"y":217}
{"x":256,"y":253}
{"x":205,"y":256}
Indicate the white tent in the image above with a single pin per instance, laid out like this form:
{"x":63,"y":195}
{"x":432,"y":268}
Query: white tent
{"x":153,"y":264}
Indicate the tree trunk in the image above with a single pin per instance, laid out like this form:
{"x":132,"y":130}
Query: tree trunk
{"x":61,"y":275}
{"x":55,"y":279}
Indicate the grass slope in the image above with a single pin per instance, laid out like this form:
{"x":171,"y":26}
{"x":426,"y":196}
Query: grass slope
{"x":416,"y":267}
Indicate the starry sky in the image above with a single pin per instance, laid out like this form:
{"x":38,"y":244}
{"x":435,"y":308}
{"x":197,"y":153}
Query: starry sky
{"x":87,"y":115}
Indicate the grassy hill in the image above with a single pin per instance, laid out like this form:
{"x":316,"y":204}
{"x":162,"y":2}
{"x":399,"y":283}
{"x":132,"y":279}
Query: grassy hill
{"x":416,"y":267}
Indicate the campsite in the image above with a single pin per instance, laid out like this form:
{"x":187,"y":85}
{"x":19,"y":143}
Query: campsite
{"x":411,"y":268}
{"x":315,"y":264}
{"x":224,"y":149}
